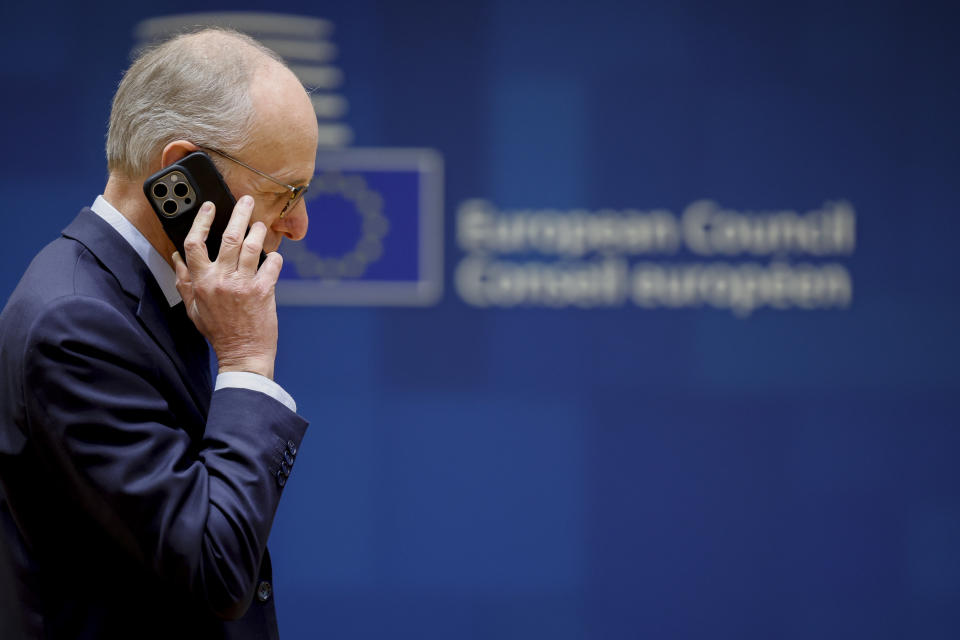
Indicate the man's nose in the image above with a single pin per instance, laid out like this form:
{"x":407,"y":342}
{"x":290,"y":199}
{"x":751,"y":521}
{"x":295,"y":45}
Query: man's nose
{"x":294,"y":222}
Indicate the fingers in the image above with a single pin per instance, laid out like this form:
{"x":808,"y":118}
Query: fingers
{"x":240,"y":249}
{"x":270,"y":269}
{"x":194,"y":245}
{"x":250,"y":251}
{"x":236,"y":229}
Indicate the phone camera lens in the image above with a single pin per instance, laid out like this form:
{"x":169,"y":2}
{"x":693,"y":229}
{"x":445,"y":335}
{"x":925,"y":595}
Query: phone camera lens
{"x":180,"y":189}
{"x":170,"y":207}
{"x":160,"y":190}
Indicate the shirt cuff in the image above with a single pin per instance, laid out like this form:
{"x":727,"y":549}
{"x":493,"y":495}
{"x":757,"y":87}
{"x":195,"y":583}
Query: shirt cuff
{"x":255,"y":382}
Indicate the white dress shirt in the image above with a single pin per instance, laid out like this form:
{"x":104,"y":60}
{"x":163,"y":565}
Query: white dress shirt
{"x":165,"y":276}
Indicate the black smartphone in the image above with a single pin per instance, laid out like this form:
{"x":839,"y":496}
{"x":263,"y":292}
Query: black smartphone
{"x":177,"y":191}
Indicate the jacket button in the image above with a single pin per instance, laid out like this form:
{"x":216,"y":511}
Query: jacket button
{"x":264,"y":591}
{"x":292,"y":448}
{"x":284,"y":469}
{"x":281,"y":479}
{"x":288,"y":458}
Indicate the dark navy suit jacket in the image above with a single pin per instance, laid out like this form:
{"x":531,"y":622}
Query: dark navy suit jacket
{"x":136,"y":502}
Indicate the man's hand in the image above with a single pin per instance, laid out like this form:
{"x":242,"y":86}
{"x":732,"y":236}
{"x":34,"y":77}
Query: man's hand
{"x":229,"y":300}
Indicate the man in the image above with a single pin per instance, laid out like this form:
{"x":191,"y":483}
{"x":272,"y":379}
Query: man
{"x":137,"y":494}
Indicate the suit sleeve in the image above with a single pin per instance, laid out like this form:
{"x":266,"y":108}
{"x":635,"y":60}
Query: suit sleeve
{"x":196,"y":512}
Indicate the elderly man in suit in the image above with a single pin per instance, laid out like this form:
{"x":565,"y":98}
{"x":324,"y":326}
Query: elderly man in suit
{"x":137,"y":492}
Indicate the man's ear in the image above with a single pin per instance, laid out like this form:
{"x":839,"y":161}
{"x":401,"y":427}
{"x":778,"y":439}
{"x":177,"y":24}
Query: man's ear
{"x":176,"y":151}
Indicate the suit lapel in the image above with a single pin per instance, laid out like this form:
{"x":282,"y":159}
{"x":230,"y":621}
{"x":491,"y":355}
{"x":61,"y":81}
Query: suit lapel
{"x":169,"y":327}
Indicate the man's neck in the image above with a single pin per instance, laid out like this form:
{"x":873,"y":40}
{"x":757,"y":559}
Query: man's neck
{"x":127,"y":197}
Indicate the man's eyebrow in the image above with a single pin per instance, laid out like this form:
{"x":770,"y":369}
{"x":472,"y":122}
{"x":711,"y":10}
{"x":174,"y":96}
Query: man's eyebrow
{"x":302,"y":181}
{"x":279,"y":183}
{"x":294,"y":181}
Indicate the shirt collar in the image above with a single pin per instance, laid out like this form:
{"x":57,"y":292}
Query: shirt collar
{"x":162,"y":272}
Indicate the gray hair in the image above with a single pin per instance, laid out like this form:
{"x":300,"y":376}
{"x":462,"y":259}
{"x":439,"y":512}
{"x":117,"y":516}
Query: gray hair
{"x":193,"y":87}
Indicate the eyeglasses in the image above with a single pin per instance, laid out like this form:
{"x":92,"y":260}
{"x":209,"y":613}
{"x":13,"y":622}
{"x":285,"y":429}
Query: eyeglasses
{"x":296,"y":193}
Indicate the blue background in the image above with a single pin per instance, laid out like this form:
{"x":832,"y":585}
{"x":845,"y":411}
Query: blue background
{"x":610,"y":473}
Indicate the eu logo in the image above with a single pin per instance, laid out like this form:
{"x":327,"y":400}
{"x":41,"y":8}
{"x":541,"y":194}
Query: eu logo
{"x":376,"y":231}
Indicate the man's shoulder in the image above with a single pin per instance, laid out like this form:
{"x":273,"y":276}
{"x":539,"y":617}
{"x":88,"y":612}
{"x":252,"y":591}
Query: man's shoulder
{"x":64,"y":270}
{"x":64,"y":267}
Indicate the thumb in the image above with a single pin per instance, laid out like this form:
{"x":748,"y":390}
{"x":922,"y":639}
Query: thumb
{"x":184,"y":281}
